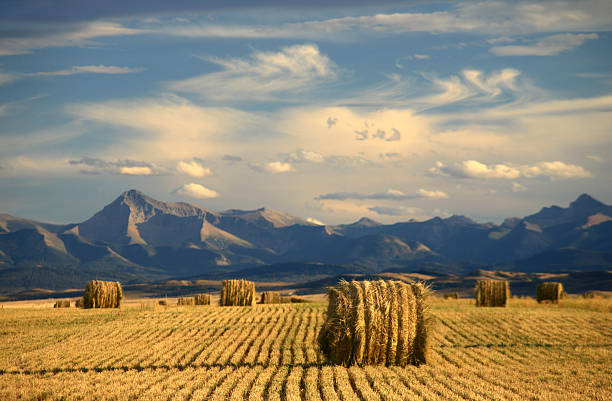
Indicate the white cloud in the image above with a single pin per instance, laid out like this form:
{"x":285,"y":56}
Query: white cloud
{"x":88,"y":69}
{"x":278,"y":167}
{"x":295,"y":68}
{"x":315,"y":221}
{"x":595,"y":158}
{"x":302,"y":156}
{"x":197,"y":191}
{"x":548,"y":46}
{"x":432,"y":194}
{"x":80,"y":35}
{"x":135,"y":170}
{"x":476,"y":169}
{"x":193,"y":169}
{"x":421,"y":56}
{"x":518,"y":187}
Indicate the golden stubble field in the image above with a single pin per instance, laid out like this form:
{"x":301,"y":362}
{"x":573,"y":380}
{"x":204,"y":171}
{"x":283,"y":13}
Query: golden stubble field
{"x":523,"y":352}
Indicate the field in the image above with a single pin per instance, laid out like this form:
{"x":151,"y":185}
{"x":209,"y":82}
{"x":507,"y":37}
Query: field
{"x":523,"y":352}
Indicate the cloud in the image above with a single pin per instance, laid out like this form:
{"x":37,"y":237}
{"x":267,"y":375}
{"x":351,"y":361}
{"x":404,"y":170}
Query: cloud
{"x":92,"y":165}
{"x":193,"y":169}
{"x":171,"y":127}
{"x":387,"y":210}
{"x":78,"y":35}
{"x":390,"y":194}
{"x":517,"y":187}
{"x":231,"y":158}
{"x":293,"y":69}
{"x":304,"y":156}
{"x":421,"y":56}
{"x":476,"y":169}
{"x":88,"y":69}
{"x":315,"y":221}
{"x":494,"y":18}
{"x":6,"y":78}
{"x":272,"y":167}
{"x":432,"y":194}
{"x":197,"y":191}
{"x":596,"y":158}
{"x":548,"y":46}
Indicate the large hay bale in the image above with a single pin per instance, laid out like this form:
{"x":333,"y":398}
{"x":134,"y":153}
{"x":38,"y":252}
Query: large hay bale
{"x":492,"y":293}
{"x":270,"y":297}
{"x":102,"y":294}
{"x":79,"y":303}
{"x":237,"y":293}
{"x":64,"y":303}
{"x":451,"y":295}
{"x":549,"y":291}
{"x":376,"y":322}
{"x":185,"y":301}
{"x":202,"y":299}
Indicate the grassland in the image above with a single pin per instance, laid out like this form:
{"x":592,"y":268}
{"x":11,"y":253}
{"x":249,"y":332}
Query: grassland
{"x":523,"y":352}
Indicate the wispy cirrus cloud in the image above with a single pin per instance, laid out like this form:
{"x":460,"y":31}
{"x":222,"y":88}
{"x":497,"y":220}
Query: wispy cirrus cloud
{"x":87,"y":69}
{"x":548,"y":46}
{"x":59,"y":36}
{"x":264,"y":74}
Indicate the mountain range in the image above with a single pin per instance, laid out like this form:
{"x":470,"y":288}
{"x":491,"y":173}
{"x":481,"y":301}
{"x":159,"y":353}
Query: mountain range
{"x":140,"y":239}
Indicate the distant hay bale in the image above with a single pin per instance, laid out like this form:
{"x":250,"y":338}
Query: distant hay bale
{"x":185,"y":301}
{"x":549,"y":291}
{"x":492,"y":293}
{"x":270,"y":297}
{"x":163,"y":302}
{"x":102,"y":294}
{"x":237,"y":293}
{"x":376,"y":322}
{"x":451,"y":295}
{"x":202,"y":299}
{"x":64,"y":303}
{"x":78,"y":303}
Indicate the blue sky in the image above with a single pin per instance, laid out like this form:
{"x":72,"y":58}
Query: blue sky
{"x":331,"y":112}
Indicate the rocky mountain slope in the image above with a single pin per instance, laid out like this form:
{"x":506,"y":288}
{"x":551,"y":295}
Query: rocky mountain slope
{"x":137,"y":238}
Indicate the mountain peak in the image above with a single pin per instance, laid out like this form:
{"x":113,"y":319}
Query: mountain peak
{"x":586,"y":201}
{"x":366,"y":222}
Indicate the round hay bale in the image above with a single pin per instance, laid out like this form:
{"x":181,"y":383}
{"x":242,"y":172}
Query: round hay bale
{"x":375,"y":323}
{"x":549,"y":291}
{"x":492,"y":293}
{"x":102,"y":294}
{"x":184,"y":301}
{"x":64,"y":303}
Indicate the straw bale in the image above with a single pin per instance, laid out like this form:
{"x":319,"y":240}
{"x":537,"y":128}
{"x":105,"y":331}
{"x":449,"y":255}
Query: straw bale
{"x":64,"y":303}
{"x":185,"y":301}
{"x":376,"y":322}
{"x":451,"y":295}
{"x":78,"y":303}
{"x":102,"y":294}
{"x":492,"y":293}
{"x":549,"y":291}
{"x":202,"y":299}
{"x":237,"y":293}
{"x":270,"y":297}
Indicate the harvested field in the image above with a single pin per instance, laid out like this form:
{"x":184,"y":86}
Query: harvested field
{"x":525,"y":351}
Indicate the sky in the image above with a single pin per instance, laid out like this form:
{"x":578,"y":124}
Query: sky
{"x":333,"y":111}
